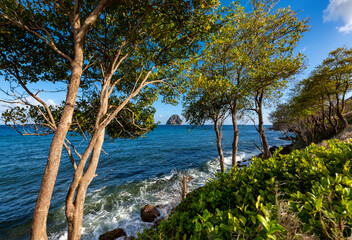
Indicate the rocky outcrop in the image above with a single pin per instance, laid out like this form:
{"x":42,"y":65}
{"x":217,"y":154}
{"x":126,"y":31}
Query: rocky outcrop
{"x":285,"y":150}
{"x":112,"y":235}
{"x":174,"y":120}
{"x":149,"y":213}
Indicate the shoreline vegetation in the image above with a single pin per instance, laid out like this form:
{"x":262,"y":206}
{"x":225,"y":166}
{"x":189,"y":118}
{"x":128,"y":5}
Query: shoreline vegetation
{"x":166,"y":211}
{"x":298,"y":194}
{"x":302,"y":192}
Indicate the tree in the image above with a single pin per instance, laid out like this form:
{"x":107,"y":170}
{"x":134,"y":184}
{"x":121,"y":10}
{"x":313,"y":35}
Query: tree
{"x":205,"y":102}
{"x":126,"y":53}
{"x":222,"y":65}
{"x":338,"y":69}
{"x":275,"y":33}
{"x":34,"y":17}
{"x":315,"y":111}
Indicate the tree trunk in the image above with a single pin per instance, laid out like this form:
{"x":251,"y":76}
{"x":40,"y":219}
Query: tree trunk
{"x":218,"y":131}
{"x":184,"y":186}
{"x":41,"y":209}
{"x":259,"y":110}
{"x":75,"y":211}
{"x":323,"y":115}
{"x":340,"y":111}
{"x":330,"y":117}
{"x":49,"y":177}
{"x":235,"y":138}
{"x":80,"y":182}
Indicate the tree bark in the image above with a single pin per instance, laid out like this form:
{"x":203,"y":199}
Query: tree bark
{"x":218,"y":131}
{"x":259,"y":110}
{"x":323,"y":115}
{"x":340,"y":111}
{"x":75,"y":211}
{"x":80,"y":182}
{"x":49,"y":177}
{"x":330,"y":117}
{"x":235,"y":138}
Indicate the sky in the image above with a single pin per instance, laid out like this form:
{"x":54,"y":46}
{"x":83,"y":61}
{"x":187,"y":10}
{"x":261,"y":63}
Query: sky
{"x":331,"y":27}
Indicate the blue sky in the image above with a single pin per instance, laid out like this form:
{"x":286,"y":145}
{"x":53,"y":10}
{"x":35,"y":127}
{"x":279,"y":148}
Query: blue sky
{"x":331,"y":27}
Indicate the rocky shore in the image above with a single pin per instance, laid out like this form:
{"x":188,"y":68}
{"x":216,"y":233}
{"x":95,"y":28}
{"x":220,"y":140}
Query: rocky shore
{"x":152,"y":214}
{"x":286,"y":149}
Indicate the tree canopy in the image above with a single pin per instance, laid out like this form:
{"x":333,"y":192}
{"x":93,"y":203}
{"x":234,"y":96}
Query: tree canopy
{"x":117,"y":56}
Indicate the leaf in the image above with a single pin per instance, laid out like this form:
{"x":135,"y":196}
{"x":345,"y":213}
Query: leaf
{"x":198,"y":227}
{"x":258,"y":201}
{"x":263,"y":221}
{"x":319,"y":204}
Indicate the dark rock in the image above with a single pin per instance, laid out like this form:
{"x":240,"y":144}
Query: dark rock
{"x":287,"y":138}
{"x":174,"y":120}
{"x":287,"y":149}
{"x":158,"y":222}
{"x":149,"y":213}
{"x":112,"y":235}
{"x":161,"y":206}
{"x":273,"y":149}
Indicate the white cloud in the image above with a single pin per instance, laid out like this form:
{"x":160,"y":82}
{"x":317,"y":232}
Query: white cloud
{"x":51,"y":102}
{"x":161,"y":116}
{"x":340,"y":9}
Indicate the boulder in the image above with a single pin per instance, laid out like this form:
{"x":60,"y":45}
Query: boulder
{"x":149,"y":213}
{"x":112,"y":235}
{"x":174,"y":120}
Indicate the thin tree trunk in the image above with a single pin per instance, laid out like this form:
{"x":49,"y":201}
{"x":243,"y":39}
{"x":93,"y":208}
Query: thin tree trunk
{"x":259,"y":110}
{"x":75,"y":214}
{"x":80,"y":182}
{"x":330,"y":117}
{"x":323,"y":115}
{"x":235,"y":138}
{"x":218,"y":131}
{"x":41,"y":209}
{"x":340,"y":111}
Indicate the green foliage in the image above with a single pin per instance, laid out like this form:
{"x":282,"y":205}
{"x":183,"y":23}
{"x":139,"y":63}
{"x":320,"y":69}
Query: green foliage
{"x":133,"y":47}
{"x":243,"y":204}
{"x":316,"y":109}
{"x":134,"y":120}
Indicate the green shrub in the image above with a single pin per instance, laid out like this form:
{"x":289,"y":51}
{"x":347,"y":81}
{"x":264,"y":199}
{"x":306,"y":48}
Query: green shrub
{"x":243,"y":204}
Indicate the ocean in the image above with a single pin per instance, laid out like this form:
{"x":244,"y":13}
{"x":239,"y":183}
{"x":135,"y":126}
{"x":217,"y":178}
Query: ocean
{"x":131,"y":174}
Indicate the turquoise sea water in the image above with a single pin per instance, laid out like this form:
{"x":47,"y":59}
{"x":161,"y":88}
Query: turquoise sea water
{"x":134,"y":173}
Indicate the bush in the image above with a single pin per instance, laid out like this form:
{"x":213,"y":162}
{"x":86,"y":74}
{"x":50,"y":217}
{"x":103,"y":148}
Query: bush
{"x":245,"y":203}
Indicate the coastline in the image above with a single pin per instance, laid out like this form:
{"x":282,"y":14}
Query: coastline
{"x":167,"y":210}
{"x":127,"y":179}
{"x":297,"y":176}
